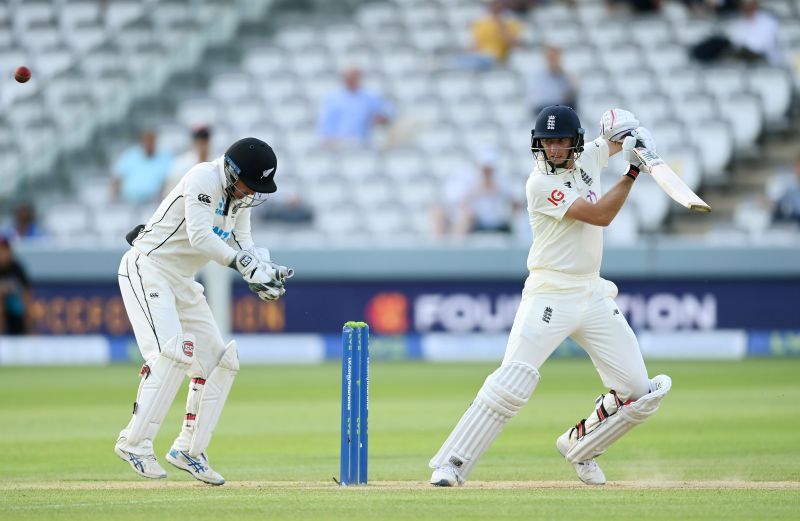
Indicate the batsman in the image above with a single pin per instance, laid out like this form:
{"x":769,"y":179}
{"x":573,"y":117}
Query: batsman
{"x":564,"y":296}
{"x":206,"y":217}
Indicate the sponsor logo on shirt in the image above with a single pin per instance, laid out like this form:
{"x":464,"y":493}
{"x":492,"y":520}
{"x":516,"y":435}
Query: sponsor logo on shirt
{"x":222,"y":234}
{"x":154,"y":294}
{"x":591,"y":197}
{"x":556,"y":196}
{"x":203,"y":198}
{"x":220,"y":208}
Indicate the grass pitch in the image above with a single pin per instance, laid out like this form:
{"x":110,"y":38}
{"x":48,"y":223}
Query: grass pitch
{"x":725,"y":445}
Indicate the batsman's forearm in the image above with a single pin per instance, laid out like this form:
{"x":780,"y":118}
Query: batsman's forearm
{"x":610,"y":204}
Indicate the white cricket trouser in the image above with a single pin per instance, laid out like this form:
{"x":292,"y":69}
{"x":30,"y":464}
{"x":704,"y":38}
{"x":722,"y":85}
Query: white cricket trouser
{"x":161,"y":306}
{"x":555,"y":306}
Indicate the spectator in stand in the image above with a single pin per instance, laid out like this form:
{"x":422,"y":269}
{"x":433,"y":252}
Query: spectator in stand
{"x":24,"y":225}
{"x":753,"y":38}
{"x":348,"y":115}
{"x":286,"y":206}
{"x":702,"y":7}
{"x":140,"y":172}
{"x":787,"y":206}
{"x":200,"y":152}
{"x":488,"y":204}
{"x":15,"y":294}
{"x":475,"y":200}
{"x":641,"y":6}
{"x":493,"y":37}
{"x":551,"y":85}
{"x":755,"y":35}
{"x":520,"y":7}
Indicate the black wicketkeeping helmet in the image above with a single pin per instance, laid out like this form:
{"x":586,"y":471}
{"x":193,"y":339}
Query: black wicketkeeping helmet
{"x":554,"y":122}
{"x":254,"y":162}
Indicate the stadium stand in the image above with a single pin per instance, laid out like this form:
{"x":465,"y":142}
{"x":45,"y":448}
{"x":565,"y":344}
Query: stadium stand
{"x":273,"y":86}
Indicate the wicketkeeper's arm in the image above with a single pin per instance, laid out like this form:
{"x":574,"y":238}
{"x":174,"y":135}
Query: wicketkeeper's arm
{"x":241,"y":236}
{"x":197,"y":197}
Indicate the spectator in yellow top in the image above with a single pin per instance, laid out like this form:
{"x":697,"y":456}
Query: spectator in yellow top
{"x":493,"y":35}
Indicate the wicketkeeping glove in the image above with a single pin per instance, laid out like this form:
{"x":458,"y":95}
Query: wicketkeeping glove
{"x":253,"y":271}
{"x":282,"y":271}
{"x":268,"y":292}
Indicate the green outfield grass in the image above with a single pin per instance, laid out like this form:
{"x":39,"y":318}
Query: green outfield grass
{"x":725,"y":445}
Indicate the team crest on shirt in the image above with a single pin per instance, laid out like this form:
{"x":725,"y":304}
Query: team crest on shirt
{"x":586,"y":178}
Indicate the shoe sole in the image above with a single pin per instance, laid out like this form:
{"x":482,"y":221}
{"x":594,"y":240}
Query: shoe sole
{"x":178,"y":466}
{"x":125,"y":458}
{"x":442,"y":483}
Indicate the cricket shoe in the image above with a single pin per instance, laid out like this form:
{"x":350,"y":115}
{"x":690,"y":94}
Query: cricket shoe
{"x":588,"y":471}
{"x":146,"y":465}
{"x":198,"y":467}
{"x":445,"y":476}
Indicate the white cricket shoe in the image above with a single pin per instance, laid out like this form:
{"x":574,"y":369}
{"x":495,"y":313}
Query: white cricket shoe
{"x":197,"y":467}
{"x":588,"y":471}
{"x":145,"y":465}
{"x":445,"y":476}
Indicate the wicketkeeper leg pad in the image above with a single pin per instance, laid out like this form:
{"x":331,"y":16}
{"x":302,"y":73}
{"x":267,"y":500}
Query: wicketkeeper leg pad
{"x":212,"y":400}
{"x":593,"y":436}
{"x":161,"y":377}
{"x":196,"y":386}
{"x":503,"y":394}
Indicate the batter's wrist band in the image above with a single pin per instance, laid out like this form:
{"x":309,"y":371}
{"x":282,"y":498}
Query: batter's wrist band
{"x":633,"y":172}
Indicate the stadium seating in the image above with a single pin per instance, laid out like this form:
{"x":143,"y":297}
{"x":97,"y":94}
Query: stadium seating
{"x":275,"y":90}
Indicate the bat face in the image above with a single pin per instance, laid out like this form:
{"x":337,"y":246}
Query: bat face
{"x":669,"y":181}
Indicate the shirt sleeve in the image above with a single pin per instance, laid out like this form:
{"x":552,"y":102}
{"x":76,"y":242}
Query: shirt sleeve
{"x":241,"y":235}
{"x":595,"y":155}
{"x":200,"y":188}
{"x":121,"y":164}
{"x":548,"y":196}
{"x":383,"y":107}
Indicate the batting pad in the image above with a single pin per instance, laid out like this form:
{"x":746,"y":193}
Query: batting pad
{"x":596,"y":442}
{"x":503,"y":394}
{"x":158,"y":388}
{"x":215,"y":392}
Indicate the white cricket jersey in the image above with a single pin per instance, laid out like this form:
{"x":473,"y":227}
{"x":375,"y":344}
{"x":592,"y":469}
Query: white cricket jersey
{"x":559,"y":243}
{"x":195,"y":223}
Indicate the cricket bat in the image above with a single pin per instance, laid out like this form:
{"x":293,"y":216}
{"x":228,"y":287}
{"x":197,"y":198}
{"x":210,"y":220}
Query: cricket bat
{"x":669,"y":181}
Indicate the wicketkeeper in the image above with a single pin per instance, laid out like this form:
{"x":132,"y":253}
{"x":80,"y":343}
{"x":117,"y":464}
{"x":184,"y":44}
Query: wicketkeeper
{"x":564,"y":296}
{"x":205,"y":217}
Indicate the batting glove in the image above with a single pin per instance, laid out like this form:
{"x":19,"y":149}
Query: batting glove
{"x":615,"y":124}
{"x":630,"y":156}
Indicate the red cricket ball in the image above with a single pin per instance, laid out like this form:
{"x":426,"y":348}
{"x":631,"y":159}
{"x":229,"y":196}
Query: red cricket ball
{"x":22,"y":74}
